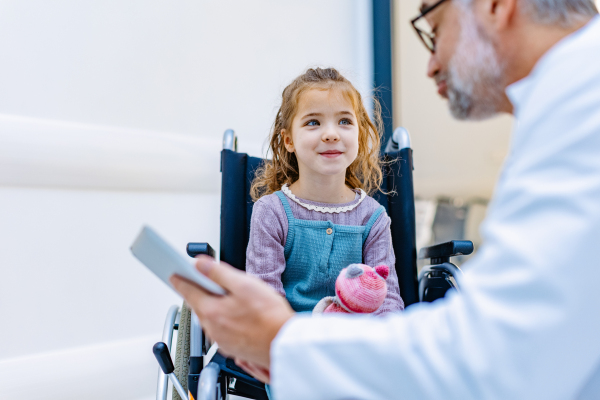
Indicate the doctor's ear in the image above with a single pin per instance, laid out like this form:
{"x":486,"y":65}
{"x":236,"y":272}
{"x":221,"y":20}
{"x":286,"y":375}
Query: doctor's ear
{"x":498,"y":15}
{"x":287,"y":140}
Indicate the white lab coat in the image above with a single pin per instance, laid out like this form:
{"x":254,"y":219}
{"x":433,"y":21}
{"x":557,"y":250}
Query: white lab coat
{"x":526,"y":324}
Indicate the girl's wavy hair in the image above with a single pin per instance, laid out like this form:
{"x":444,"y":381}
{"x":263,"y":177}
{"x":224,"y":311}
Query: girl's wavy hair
{"x":364,"y":172}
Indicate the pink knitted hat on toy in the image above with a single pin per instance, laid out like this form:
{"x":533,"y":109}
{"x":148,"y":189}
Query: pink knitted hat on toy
{"x":360,"y":288}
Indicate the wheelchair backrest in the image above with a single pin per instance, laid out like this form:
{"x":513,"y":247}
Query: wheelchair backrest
{"x":238,"y":171}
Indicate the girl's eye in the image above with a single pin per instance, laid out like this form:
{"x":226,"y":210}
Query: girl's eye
{"x":345,"y":121}
{"x":312,"y":122}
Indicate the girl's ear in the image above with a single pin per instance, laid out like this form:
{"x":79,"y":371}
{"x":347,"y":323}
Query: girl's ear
{"x":287,"y":141}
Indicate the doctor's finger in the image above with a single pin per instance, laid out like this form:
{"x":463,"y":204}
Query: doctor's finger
{"x":196,"y":297}
{"x":221,"y":273}
{"x":243,"y":365}
{"x":254,"y":370}
{"x":262,"y":375}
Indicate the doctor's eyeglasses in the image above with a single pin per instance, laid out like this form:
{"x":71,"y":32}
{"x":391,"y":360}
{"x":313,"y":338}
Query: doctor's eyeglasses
{"x":422,"y":27}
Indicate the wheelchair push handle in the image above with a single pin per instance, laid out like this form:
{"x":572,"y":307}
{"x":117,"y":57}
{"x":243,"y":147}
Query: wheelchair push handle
{"x":161,"y":352}
{"x":400,"y":140}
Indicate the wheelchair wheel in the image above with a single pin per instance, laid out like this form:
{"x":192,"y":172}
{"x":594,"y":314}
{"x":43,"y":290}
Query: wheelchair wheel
{"x":182,"y":351}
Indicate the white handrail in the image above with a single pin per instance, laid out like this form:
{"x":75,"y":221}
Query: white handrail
{"x":208,"y":387}
{"x":38,"y":152}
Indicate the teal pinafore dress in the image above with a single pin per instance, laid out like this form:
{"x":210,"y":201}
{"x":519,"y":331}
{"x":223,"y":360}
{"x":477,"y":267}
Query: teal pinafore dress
{"x":315,"y":253}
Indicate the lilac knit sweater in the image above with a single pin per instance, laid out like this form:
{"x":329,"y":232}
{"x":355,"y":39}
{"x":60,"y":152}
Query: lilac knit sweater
{"x":268,"y":233}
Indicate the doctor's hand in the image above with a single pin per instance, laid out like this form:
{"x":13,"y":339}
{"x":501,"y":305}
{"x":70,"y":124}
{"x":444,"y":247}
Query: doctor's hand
{"x":245,"y":321}
{"x":262,"y":374}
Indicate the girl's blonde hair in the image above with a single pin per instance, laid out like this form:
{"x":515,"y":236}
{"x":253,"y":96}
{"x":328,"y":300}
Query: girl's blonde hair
{"x":364,"y":172}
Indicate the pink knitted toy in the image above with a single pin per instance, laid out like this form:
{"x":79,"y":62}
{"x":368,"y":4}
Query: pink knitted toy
{"x":358,"y":288}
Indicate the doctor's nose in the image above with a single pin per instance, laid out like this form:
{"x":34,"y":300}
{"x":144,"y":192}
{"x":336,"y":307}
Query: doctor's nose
{"x":433,"y":66}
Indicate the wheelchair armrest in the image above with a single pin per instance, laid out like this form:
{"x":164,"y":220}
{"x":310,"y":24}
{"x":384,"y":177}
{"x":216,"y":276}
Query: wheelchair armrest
{"x":441,"y":253}
{"x":194,"y":249}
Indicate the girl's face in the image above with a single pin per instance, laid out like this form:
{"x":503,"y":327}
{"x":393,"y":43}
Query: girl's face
{"x":324,"y":134}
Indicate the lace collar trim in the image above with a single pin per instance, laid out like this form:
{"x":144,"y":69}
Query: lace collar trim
{"x":322,"y":209}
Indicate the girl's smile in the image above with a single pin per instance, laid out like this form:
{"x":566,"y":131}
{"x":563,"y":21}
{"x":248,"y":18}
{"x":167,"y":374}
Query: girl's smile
{"x":331,"y":153}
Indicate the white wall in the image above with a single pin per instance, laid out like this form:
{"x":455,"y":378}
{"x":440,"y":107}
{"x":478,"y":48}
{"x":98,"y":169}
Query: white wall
{"x":452,"y":158}
{"x":111,"y":116}
{"x":194,"y":67}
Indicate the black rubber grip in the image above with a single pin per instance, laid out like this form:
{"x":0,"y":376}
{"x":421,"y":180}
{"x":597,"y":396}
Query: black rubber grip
{"x":194,"y":249}
{"x":161,"y":352}
{"x":448,"y":249}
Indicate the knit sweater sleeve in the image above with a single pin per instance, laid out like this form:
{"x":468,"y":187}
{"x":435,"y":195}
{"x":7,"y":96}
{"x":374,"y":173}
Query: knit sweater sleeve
{"x":268,"y":230}
{"x":378,"y":250}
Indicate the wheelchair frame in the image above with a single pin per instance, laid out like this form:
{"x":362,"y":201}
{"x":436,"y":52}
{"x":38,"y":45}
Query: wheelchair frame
{"x":214,"y":378}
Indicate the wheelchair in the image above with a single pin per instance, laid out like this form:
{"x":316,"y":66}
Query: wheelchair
{"x":202,"y":372}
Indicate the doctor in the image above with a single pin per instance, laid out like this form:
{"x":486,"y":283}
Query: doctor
{"x":526,"y":324}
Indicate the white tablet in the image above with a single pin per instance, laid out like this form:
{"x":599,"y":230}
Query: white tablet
{"x":164,"y":261}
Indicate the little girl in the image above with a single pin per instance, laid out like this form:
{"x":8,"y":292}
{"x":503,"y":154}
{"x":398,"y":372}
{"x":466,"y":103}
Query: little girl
{"x":312,"y":215}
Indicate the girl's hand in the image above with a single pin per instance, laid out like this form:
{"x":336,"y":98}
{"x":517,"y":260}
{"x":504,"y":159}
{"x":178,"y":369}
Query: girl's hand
{"x":245,"y":321}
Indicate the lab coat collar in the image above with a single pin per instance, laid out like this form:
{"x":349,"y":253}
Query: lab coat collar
{"x":519,"y":92}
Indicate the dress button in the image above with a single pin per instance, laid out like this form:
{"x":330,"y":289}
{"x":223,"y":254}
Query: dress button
{"x":329,"y":231}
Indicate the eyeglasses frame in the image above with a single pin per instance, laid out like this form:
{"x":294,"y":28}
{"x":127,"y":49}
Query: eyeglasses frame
{"x":421,"y":33}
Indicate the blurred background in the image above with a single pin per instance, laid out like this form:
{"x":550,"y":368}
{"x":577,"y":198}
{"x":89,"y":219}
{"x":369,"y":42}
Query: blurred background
{"x":111,"y":117}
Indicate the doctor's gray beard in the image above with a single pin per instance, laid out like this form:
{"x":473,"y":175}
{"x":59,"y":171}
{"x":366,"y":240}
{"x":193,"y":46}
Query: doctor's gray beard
{"x":475,"y":89}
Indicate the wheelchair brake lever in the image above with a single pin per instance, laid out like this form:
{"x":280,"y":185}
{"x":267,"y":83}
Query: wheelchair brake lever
{"x":161,"y":352}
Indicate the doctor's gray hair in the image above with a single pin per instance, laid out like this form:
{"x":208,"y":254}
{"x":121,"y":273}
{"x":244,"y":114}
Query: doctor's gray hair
{"x":555,"y":12}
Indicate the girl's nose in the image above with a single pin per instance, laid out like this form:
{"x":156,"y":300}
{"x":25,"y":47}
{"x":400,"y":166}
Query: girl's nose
{"x":330,"y":136}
